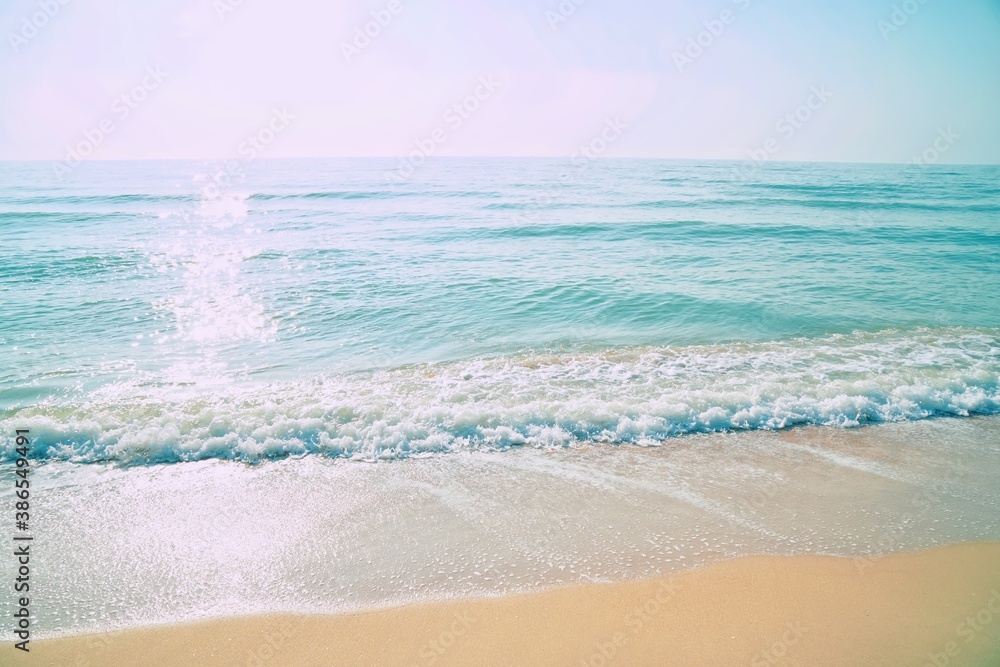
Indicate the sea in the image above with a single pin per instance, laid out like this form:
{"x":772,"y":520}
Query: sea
{"x":158,"y":312}
{"x":315,"y":385}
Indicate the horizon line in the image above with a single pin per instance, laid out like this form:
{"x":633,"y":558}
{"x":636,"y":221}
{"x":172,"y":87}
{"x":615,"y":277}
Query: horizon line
{"x":759,"y":163}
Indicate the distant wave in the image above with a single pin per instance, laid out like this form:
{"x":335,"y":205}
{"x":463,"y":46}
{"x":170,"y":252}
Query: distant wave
{"x":77,"y":199}
{"x":346,"y":194}
{"x":741,"y":202}
{"x":637,"y":396}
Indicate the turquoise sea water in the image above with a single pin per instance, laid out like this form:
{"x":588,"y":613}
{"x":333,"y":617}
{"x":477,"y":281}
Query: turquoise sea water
{"x":155,"y":312}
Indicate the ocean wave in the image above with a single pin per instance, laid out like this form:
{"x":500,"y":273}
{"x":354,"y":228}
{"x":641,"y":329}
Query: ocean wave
{"x":50,"y":199}
{"x":333,"y":194}
{"x":641,"y":396}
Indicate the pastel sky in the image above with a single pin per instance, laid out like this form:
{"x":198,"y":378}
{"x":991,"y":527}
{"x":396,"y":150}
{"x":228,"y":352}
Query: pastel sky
{"x":893,"y":80}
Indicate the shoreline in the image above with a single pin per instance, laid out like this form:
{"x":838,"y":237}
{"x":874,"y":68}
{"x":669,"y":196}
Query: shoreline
{"x":299,"y":537}
{"x":907,"y":608}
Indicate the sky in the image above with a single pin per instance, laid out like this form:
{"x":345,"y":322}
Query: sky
{"x":863,"y":81}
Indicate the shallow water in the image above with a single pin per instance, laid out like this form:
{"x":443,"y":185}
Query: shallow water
{"x":128,"y":547}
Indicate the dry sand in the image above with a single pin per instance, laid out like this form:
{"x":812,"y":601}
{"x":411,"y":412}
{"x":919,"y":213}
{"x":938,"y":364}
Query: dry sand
{"x":939,"y":607}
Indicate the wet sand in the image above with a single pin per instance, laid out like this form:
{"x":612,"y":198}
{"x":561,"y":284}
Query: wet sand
{"x":937,"y":607}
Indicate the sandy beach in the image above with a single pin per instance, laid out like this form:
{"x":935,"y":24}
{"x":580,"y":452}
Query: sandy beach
{"x":937,"y":607}
{"x":874,"y":546}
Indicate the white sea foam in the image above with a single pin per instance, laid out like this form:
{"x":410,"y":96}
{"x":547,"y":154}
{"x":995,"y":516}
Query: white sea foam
{"x":640,"y":396}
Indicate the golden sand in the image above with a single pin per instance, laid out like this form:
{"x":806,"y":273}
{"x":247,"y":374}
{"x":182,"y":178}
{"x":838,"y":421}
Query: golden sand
{"x":938,"y":608}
